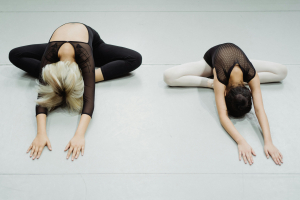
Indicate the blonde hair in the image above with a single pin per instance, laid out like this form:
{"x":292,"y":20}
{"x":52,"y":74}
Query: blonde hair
{"x":64,"y":86}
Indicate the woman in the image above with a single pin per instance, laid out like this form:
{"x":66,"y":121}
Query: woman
{"x":231,"y":68}
{"x":66,"y":73}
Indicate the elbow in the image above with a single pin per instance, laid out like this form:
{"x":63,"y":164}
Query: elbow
{"x":222,"y":122}
{"x":259,"y":111}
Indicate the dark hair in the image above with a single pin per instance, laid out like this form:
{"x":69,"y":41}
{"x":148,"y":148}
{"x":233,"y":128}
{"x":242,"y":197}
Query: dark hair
{"x":238,"y":101}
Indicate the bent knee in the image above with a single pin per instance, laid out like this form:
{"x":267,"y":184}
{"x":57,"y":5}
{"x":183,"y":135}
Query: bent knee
{"x":282,"y":72}
{"x":138,"y":59}
{"x":169,"y":77}
{"x":13,"y":55}
{"x":135,"y":60}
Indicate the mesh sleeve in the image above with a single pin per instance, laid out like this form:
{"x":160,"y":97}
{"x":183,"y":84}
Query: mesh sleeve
{"x":49,"y":56}
{"x":85,"y":61}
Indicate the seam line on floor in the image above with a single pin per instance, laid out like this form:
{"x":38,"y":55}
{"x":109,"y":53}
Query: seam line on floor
{"x":155,"y":11}
{"x":156,"y":174}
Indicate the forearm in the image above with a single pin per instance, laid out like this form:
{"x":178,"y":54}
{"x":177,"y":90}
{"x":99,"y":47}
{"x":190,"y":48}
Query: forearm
{"x":264,"y":124}
{"x":41,"y":123}
{"x":231,"y":130}
{"x":83,"y":124}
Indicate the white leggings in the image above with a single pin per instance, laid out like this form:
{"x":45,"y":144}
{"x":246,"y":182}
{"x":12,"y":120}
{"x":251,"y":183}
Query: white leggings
{"x":196,"y":73}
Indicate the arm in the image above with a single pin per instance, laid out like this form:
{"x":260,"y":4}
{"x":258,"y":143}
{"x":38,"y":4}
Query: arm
{"x":245,"y":149}
{"x":269,"y":148}
{"x":84,"y":58}
{"x":77,"y":143}
{"x":41,"y":139}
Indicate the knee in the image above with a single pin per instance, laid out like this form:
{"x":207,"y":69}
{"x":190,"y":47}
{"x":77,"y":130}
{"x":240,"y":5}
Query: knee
{"x":282,"y":72}
{"x":135,"y":60}
{"x":138,"y":59}
{"x":13,"y":55}
{"x":169,"y":77}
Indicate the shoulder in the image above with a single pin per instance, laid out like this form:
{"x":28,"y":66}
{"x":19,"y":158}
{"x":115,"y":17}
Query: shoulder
{"x":254,"y":83}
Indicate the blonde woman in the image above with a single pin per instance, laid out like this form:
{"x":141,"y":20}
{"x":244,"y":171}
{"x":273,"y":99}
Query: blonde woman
{"x":65,"y":67}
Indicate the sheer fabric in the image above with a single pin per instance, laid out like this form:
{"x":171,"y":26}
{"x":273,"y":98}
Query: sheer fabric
{"x":224,"y":57}
{"x":84,"y":59}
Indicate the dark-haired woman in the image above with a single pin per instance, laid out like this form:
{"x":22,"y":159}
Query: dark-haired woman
{"x":232,"y":69}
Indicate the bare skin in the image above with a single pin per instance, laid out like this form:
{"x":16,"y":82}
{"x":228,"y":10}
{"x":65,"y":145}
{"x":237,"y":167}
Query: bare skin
{"x":245,"y":150}
{"x":67,"y":32}
{"x":195,"y":74}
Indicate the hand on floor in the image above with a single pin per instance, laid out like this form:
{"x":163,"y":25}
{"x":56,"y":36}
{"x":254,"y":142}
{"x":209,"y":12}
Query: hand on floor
{"x":76,"y":145}
{"x":271,"y":150}
{"x":38,"y":144}
{"x":246,"y":151}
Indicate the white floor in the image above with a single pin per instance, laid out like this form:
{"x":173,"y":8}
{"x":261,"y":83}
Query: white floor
{"x":147,"y":140}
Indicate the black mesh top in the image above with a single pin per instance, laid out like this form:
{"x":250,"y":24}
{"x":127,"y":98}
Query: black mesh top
{"x":84,"y":59}
{"x":224,"y":57}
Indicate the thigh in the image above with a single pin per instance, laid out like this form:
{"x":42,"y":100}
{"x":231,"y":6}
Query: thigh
{"x":267,"y":66}
{"x":199,"y":68}
{"x":34,"y":51}
{"x":106,"y":53}
{"x":28,"y":58}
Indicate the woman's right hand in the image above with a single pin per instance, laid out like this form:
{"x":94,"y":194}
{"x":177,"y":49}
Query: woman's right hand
{"x":38,"y":144}
{"x":246,"y":151}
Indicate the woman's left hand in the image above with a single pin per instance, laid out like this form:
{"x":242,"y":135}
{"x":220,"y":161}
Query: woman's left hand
{"x":271,"y":150}
{"x":76,"y":145}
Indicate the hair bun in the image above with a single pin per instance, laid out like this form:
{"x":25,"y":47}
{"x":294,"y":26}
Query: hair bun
{"x":241,"y":101}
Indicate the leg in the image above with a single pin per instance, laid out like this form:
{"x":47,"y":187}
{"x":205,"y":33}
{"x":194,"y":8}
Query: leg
{"x":190,"y":74}
{"x":114,"y":61}
{"x":269,"y":71}
{"x":28,"y":58}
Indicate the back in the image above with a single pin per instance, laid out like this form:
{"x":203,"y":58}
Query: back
{"x":71,"y":32}
{"x":224,"y":57}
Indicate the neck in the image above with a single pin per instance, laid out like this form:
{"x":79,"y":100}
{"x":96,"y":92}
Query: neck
{"x":66,"y":58}
{"x":71,"y":59}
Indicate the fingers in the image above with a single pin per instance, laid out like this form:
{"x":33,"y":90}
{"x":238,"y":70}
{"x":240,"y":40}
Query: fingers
{"x":70,"y":151}
{"x":35,"y":153}
{"x":244,"y":157}
{"x":267,"y":154}
{"x":74,"y":153}
{"x":32,"y":151}
{"x":278,"y":159}
{"x":82,"y":151}
{"x":275,"y":157}
{"x":39,"y":153}
{"x":281,"y":157}
{"x":252,"y":151}
{"x":30,"y":147}
{"x":77,"y":153}
{"x":49,"y":145}
{"x":240,"y":155}
{"x":249,"y":158}
{"x":68,"y":145}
